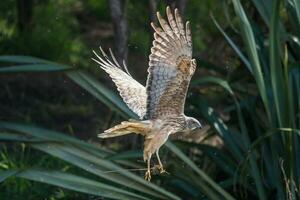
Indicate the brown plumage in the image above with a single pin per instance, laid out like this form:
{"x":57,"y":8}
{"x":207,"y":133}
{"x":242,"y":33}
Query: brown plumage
{"x":160,"y":105}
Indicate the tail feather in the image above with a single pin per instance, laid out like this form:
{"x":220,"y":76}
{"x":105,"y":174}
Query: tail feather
{"x":126,"y":127}
{"x":109,"y":135}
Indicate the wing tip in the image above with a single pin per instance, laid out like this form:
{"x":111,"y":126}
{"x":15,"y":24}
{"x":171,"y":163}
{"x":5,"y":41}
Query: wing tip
{"x":93,"y":59}
{"x":158,"y":14}
{"x":176,"y":11}
{"x":168,"y":9}
{"x":153,"y":26}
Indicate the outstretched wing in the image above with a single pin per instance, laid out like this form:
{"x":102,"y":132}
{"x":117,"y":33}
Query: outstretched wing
{"x":170,"y":67}
{"x":131,"y":91}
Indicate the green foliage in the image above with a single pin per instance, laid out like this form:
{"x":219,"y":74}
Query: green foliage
{"x":280,"y":96}
{"x":83,"y":155}
{"x":98,"y":8}
{"x":86,"y":160}
{"x":261,"y":160}
{"x":139,"y":38}
{"x":51,"y":36}
{"x":197,"y":12}
{"x":20,"y":157}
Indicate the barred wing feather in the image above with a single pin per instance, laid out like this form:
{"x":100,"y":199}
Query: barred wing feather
{"x":131,"y":91}
{"x":170,"y":67}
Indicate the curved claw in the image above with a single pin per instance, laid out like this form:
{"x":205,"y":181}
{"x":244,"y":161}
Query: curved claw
{"x":161,"y":169}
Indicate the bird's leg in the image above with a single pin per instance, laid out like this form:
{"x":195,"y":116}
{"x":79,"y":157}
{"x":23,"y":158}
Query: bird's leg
{"x":148,"y":172}
{"x":160,"y":167}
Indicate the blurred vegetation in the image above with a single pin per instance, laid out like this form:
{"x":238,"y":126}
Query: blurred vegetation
{"x":51,"y":34}
{"x":246,"y":91}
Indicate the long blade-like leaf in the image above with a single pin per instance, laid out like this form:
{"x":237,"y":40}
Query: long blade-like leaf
{"x":44,"y":67}
{"x":78,"y":183}
{"x":21,"y":59}
{"x":201,"y":174}
{"x":4,"y":174}
{"x":87,"y":157}
{"x":250,"y":43}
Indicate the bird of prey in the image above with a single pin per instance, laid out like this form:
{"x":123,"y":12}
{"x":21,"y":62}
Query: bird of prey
{"x":159,"y":104}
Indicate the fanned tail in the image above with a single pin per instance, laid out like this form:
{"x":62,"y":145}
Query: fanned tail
{"x":126,"y":127}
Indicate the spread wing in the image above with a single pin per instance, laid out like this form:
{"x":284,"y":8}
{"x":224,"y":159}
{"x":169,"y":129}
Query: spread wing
{"x":170,"y":67}
{"x":131,"y":91}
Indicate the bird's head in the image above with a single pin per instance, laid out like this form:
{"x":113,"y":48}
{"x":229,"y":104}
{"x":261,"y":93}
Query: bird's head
{"x":193,"y":123}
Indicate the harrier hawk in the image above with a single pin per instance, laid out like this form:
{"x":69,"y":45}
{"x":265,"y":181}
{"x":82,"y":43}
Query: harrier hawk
{"x":159,"y":105}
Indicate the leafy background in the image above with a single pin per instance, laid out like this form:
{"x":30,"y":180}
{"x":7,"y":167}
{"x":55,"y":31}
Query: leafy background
{"x":55,"y":100}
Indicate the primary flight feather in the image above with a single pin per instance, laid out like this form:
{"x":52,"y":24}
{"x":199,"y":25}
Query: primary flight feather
{"x":159,"y":105}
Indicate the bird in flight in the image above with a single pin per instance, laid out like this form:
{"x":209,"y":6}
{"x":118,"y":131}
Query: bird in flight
{"x":159,"y":104}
